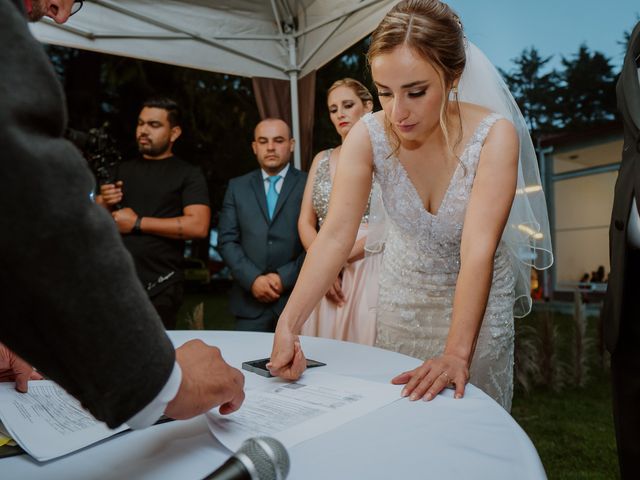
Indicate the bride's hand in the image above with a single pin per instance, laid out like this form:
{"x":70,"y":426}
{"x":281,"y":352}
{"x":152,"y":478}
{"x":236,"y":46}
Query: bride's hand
{"x":433,"y":376}
{"x":287,"y":359}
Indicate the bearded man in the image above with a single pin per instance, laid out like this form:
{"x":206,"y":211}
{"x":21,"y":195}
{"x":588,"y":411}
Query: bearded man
{"x":158,"y":202}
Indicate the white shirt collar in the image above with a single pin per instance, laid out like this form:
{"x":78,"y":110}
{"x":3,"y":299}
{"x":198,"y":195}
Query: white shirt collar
{"x":282,"y":173}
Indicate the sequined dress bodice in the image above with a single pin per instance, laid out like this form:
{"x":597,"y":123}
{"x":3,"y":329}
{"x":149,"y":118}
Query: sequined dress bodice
{"x":322,"y":190}
{"x":421,"y":262}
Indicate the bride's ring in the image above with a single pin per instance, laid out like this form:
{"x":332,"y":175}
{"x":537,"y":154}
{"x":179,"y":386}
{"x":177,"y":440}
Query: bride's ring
{"x":449,"y":380}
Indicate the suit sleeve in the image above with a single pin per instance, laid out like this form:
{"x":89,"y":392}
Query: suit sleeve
{"x":71,"y":303}
{"x":244,"y":271}
{"x":289,"y":272}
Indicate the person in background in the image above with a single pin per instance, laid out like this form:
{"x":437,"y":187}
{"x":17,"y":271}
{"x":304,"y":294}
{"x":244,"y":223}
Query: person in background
{"x":621,"y":309}
{"x":257,"y":231}
{"x":584,"y":286}
{"x":600,"y":274}
{"x":347,"y":311}
{"x":83,"y":320}
{"x":158,"y":202}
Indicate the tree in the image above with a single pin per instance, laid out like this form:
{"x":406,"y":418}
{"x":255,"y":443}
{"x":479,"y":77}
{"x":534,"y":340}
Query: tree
{"x":534,"y":90}
{"x":219,"y":111}
{"x":587,"y":92}
{"x":626,"y":38}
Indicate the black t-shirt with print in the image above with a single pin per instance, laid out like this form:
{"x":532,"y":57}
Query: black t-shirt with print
{"x":159,"y":188}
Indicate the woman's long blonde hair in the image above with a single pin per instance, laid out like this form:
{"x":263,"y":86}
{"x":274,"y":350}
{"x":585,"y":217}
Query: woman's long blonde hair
{"x":433,"y":31}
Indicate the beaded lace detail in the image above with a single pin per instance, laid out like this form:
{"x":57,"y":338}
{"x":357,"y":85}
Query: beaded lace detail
{"x":322,"y":190}
{"x":421,"y":263}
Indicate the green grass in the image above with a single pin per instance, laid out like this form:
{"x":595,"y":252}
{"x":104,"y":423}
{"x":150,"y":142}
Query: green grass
{"x":571,"y":427}
{"x":216,"y":310}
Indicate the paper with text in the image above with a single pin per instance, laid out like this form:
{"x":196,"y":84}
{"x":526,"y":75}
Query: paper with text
{"x":295,"y":412}
{"x":47,"y":422}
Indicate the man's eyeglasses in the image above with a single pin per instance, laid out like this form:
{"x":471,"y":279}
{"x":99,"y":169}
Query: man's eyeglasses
{"x":75,"y":8}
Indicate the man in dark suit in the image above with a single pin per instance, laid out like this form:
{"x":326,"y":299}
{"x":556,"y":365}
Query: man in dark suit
{"x":70,"y":300}
{"x":258,"y":230}
{"x":621,"y":311}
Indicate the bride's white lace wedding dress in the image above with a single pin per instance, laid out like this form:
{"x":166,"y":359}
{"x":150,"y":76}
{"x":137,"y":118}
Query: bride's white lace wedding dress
{"x":420,"y":266}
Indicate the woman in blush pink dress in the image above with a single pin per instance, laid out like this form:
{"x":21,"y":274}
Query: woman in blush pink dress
{"x":347,"y":311}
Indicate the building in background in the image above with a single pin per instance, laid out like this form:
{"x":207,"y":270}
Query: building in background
{"x":579,"y":173}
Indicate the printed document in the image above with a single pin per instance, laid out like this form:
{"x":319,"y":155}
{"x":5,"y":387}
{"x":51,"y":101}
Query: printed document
{"x":295,"y":412}
{"x":47,"y":422}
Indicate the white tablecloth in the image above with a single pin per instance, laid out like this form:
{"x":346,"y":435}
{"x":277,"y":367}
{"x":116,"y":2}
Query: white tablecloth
{"x":472,"y":438}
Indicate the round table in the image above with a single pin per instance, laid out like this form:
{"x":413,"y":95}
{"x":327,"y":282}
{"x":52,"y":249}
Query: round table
{"x":445,"y":438}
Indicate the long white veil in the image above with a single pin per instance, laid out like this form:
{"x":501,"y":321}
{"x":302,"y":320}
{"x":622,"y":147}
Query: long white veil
{"x":527,"y":234}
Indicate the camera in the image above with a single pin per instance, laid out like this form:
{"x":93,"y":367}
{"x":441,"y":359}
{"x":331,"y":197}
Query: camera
{"x":99,"y":149}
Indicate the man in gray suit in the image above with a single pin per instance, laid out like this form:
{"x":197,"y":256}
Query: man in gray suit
{"x":258,"y":230}
{"x":621,"y":311}
{"x":84,"y":319}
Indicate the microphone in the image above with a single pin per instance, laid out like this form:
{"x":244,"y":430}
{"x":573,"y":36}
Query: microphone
{"x":258,"y":458}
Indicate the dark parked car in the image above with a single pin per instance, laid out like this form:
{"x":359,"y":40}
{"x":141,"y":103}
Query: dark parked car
{"x":210,"y":274}
{"x":196,"y":272}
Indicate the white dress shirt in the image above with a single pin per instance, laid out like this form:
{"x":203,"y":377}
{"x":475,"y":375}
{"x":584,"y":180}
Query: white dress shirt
{"x":154,"y":410}
{"x":265,"y":179}
{"x":633,"y":225}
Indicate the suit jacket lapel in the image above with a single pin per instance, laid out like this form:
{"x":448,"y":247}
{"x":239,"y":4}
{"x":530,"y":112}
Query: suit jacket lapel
{"x":287,"y":187}
{"x":258,"y":189}
{"x":630,"y":84}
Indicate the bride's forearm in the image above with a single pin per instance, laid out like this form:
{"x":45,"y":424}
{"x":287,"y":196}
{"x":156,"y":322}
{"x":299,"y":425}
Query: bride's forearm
{"x":469,"y":305}
{"x":323,"y":262}
{"x":330,"y":249}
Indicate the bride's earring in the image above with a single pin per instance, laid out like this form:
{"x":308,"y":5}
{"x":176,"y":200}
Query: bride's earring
{"x":453,"y":93}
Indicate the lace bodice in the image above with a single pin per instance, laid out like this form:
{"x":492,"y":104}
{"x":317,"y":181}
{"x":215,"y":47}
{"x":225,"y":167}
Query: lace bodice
{"x":421,"y":262}
{"x":437,"y":235}
{"x":322,"y":190}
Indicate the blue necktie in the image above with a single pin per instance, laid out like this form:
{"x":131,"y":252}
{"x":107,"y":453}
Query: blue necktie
{"x":272,"y":195}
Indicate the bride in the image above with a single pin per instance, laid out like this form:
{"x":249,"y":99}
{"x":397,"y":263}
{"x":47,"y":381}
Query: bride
{"x":463,"y":213}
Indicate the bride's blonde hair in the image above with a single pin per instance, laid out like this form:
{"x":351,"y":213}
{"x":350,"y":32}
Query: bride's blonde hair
{"x":433,"y":31}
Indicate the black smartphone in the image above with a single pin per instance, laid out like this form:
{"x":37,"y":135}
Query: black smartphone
{"x":260,"y":366}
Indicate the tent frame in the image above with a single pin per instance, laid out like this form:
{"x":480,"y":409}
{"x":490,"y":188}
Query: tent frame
{"x":288,"y":35}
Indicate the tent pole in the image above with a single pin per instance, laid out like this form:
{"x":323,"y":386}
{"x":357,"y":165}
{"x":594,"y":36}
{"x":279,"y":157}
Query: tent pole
{"x":295,"y":114}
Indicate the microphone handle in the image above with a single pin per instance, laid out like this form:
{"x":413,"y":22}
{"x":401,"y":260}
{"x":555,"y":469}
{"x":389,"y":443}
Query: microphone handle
{"x":232,"y":469}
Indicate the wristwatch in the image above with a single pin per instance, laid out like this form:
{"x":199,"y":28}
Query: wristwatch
{"x":136,"y":226}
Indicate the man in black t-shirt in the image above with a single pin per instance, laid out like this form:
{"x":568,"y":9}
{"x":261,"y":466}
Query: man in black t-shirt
{"x":158,"y":202}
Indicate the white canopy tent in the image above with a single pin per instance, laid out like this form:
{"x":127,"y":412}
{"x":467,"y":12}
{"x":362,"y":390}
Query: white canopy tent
{"x":281,"y":39}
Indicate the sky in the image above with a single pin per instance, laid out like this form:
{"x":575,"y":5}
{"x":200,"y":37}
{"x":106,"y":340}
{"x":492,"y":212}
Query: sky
{"x":503,"y":28}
